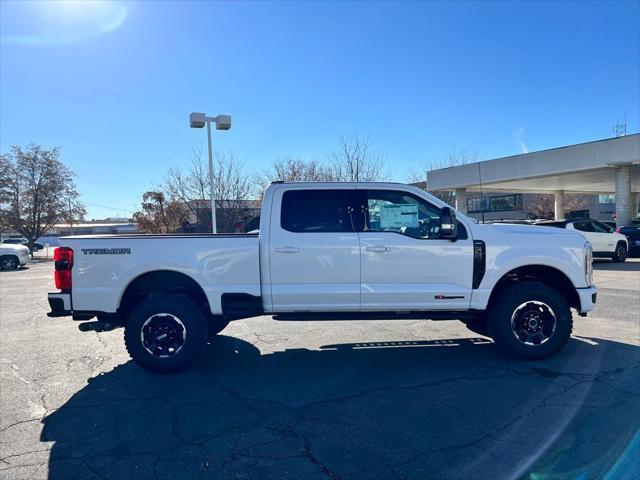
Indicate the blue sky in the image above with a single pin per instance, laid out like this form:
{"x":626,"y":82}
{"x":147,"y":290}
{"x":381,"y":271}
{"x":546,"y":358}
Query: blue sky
{"x":112,"y":83}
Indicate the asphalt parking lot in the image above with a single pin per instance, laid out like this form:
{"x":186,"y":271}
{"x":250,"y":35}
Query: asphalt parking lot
{"x":357,"y":400}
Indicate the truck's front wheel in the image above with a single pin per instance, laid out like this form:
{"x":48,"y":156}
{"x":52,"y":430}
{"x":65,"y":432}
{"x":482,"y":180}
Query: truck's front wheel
{"x":165,"y":333}
{"x":530,"y":320}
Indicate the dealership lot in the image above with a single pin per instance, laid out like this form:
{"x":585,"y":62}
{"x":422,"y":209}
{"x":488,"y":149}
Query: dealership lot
{"x":333,"y":399}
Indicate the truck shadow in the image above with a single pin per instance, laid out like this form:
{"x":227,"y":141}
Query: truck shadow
{"x":416,"y":409}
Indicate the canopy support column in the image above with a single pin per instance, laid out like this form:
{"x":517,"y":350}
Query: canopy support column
{"x":558,"y":204}
{"x":623,"y":195}
{"x":461,"y":200}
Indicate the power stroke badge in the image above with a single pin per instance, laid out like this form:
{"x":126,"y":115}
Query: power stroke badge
{"x":106,"y":251}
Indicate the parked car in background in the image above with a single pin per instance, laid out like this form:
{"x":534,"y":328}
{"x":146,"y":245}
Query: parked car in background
{"x":634,"y":223}
{"x":13,"y":256}
{"x":23,"y":241}
{"x":633,"y":238}
{"x":15,"y":240}
{"x":603,"y":238}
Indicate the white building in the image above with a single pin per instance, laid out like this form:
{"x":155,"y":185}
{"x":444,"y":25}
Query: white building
{"x":604,"y":168}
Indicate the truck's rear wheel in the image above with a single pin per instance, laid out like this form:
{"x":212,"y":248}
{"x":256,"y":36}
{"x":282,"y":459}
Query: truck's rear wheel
{"x":165,"y":333}
{"x":530,"y":320}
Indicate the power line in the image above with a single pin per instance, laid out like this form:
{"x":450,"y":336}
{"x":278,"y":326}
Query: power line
{"x":108,"y":208}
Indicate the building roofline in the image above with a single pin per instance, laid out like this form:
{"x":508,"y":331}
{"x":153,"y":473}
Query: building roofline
{"x":611,"y":139}
{"x":351,"y":182}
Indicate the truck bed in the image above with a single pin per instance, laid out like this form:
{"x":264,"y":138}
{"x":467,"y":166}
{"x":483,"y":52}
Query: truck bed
{"x":104,"y":265}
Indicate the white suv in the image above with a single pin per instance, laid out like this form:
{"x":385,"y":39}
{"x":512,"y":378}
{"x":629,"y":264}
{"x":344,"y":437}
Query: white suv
{"x":603,"y":238}
{"x":13,"y":256}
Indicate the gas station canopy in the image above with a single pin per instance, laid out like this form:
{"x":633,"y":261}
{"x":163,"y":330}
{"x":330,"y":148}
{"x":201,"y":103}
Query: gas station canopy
{"x":605,"y":166}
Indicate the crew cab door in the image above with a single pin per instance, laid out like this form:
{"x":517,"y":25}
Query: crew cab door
{"x":404,"y":265}
{"x":314,"y":252}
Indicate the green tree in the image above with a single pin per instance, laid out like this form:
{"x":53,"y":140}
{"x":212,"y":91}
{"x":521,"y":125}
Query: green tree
{"x":36,"y":191}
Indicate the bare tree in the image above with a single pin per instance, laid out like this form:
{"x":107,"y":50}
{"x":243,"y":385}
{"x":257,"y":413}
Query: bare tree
{"x":355,"y":160}
{"x":36,"y":191}
{"x":232,"y":189}
{"x":159,"y":215}
{"x":189,"y":184}
{"x":574,"y":201}
{"x":542,"y":205}
{"x":539,"y":205}
{"x":292,"y":169}
{"x":457,"y":156}
{"x":232,"y":186}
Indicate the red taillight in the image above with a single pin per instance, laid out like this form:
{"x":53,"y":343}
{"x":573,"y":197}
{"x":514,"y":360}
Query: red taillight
{"x":63,"y":258}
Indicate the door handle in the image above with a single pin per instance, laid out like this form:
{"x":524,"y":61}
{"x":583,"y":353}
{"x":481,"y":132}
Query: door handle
{"x":378,"y":249}
{"x":287,"y":249}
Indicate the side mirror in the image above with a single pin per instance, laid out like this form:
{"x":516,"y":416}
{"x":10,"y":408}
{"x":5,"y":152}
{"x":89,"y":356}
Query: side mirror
{"x":448,"y":224}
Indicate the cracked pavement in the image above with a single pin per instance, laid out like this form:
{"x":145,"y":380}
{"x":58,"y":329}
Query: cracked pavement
{"x":401,"y":399}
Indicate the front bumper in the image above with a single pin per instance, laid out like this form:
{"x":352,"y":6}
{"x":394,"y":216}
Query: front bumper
{"x":60,"y":304}
{"x":587,"y":298}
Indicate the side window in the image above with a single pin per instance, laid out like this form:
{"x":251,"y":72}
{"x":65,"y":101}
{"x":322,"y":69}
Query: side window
{"x":602,"y":228}
{"x":401,"y":212}
{"x":314,"y":211}
{"x":584,"y":226}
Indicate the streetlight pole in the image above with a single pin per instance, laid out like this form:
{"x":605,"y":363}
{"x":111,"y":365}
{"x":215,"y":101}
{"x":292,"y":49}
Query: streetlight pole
{"x":214,"y":226}
{"x":223,"y":122}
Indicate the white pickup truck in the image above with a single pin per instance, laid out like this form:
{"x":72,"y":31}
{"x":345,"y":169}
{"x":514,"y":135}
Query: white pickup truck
{"x":330,"y":250}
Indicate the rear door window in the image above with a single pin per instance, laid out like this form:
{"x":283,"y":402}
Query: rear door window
{"x":316,"y":211}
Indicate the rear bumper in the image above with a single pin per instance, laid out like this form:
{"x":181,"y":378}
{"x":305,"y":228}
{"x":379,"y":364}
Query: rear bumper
{"x":60,"y":304}
{"x":587,"y":298}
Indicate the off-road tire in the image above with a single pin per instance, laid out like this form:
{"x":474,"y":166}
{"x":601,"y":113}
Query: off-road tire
{"x":621,"y":253}
{"x":506,"y":304}
{"x":195,"y":332}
